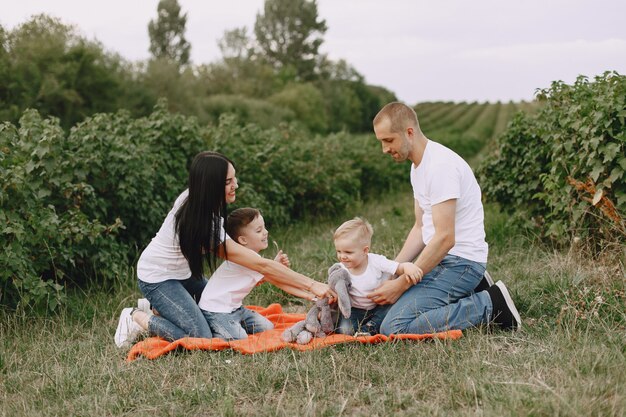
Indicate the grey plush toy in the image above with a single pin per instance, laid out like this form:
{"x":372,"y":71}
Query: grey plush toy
{"x":321,"y":318}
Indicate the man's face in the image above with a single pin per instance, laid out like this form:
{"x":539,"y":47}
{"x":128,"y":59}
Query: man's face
{"x":393,"y":143}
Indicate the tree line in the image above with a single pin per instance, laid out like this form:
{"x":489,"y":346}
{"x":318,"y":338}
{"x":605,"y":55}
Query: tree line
{"x":271,"y":74}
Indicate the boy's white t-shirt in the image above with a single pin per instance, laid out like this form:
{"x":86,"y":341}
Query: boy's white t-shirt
{"x":162,"y":259}
{"x":378,"y":266}
{"x":443,"y":175}
{"x":227,"y":287}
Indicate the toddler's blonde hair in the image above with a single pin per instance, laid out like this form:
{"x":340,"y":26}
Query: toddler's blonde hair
{"x":357,"y":229}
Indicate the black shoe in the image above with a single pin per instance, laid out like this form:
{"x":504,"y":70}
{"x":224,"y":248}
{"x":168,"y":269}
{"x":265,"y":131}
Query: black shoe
{"x":484,"y":283}
{"x":504,"y":312}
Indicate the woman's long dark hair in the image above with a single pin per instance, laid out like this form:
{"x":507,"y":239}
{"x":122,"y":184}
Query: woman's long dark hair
{"x":199,"y":218}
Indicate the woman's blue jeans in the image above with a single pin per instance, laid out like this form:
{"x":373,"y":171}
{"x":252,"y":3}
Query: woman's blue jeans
{"x":443,"y":300}
{"x":177,"y":304}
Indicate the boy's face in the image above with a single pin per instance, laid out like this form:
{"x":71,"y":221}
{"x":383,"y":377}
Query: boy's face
{"x":254,"y":235}
{"x":350,"y":252}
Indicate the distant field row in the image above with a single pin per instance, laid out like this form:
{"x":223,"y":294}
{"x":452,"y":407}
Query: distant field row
{"x":467,"y":127}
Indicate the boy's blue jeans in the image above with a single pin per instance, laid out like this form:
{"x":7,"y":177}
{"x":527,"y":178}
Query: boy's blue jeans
{"x":361,"y":320}
{"x":443,"y":300}
{"x":238,"y":324}
{"x":177,"y":304}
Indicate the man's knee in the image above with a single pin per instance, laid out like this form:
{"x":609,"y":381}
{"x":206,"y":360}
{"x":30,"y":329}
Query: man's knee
{"x":391,"y":326}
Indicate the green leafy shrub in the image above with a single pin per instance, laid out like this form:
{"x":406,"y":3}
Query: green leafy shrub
{"x":47,"y":237}
{"x":307,"y":102}
{"x":76,"y":207}
{"x":565,"y":166}
{"x":247,"y":110}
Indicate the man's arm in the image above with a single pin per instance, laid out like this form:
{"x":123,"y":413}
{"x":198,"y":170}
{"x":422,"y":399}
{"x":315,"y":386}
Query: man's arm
{"x":429,"y":257}
{"x":444,"y":220}
{"x":413,"y":244}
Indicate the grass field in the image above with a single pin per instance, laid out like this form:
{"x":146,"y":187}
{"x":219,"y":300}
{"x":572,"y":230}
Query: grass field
{"x":569,"y":359}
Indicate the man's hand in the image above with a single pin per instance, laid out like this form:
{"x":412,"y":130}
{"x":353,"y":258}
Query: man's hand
{"x":389,"y":291}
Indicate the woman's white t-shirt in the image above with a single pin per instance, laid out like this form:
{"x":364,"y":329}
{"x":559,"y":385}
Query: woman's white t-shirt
{"x":162,"y":259}
{"x":379,"y":269}
{"x":443,"y":175}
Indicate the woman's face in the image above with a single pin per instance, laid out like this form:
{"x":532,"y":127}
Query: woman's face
{"x":231,"y":185}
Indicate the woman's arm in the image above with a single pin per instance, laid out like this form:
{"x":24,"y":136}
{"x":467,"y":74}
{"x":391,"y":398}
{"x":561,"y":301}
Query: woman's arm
{"x":273,"y":271}
{"x":290,"y":289}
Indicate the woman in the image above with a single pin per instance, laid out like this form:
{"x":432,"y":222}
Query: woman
{"x":170,"y":270}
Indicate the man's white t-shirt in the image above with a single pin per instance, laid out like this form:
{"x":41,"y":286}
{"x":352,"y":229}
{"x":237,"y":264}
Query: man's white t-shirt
{"x":162,"y":259}
{"x":443,"y":175}
{"x":227,"y":288}
{"x":377,"y":271}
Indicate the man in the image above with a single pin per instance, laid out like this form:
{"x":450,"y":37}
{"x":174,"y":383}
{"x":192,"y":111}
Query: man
{"x":448,"y":239}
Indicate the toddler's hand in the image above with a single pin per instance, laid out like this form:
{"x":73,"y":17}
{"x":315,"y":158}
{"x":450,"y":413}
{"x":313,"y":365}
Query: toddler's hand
{"x":412,"y":273}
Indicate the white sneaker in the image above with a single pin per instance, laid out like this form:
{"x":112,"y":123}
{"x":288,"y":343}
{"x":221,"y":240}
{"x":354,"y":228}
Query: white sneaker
{"x":144,"y":305}
{"x":127,"y":330}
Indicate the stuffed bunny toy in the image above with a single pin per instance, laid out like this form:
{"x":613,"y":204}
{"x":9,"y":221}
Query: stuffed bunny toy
{"x":321,"y":318}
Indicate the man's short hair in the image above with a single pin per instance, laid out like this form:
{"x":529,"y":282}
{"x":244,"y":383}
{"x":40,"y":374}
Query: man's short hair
{"x":399,"y":114}
{"x":358,"y":229}
{"x":238,"y":219}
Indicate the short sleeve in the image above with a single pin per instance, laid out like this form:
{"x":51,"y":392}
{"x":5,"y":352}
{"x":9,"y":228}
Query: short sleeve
{"x":383,"y":263}
{"x":444,"y":183}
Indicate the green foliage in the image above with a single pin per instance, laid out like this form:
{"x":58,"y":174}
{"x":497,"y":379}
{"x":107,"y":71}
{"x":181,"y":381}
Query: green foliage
{"x":46,"y":65}
{"x":247,"y":110}
{"x":46,"y":231}
{"x":167,"y":33}
{"x":307,"y":102}
{"x":290,"y":174}
{"x":74,"y":207}
{"x":565,"y":166}
{"x":289,"y":35}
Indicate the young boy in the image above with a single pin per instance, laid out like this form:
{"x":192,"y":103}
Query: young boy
{"x":367,"y":271}
{"x":221,"y":300}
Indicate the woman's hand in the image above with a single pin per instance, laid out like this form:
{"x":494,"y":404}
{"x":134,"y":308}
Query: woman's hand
{"x":322,"y":290}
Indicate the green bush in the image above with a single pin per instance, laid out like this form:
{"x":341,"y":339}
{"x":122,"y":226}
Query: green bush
{"x":565,"y":166}
{"x":247,"y":110}
{"x":76,"y":208}
{"x":47,"y":236}
{"x":307,"y":102}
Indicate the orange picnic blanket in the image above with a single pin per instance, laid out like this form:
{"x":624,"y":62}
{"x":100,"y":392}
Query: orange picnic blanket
{"x":268,"y":341}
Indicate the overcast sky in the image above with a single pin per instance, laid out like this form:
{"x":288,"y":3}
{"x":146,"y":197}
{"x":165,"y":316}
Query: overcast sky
{"x":457,"y":50}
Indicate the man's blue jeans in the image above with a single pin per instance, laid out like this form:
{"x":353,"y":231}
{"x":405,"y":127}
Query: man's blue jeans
{"x":237,"y":324}
{"x":443,"y":300}
{"x":177,"y":304}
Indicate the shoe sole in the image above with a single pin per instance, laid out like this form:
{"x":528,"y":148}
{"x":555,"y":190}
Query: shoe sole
{"x":488,"y":278}
{"x":510,"y":304}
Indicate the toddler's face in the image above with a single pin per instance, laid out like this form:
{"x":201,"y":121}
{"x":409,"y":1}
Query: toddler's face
{"x":352,"y":254}
{"x":255,"y":234}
